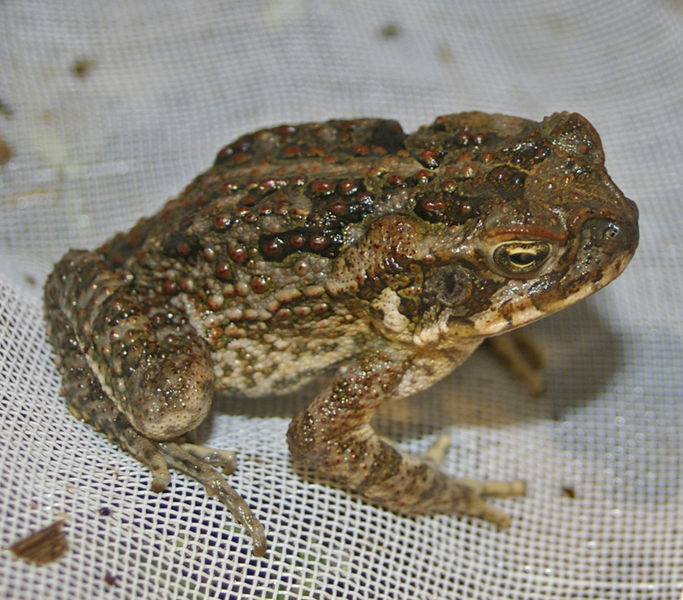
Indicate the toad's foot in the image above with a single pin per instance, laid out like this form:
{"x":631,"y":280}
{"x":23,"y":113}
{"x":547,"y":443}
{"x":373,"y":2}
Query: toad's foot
{"x":200,"y":464}
{"x":225,"y":460}
{"x":523,"y":356}
{"x":479,"y":489}
{"x":334,"y":436}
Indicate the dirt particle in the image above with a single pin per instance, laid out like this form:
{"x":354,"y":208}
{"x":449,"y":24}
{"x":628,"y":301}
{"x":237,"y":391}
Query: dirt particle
{"x":43,"y":546}
{"x":5,"y":152}
{"x":82,"y":67}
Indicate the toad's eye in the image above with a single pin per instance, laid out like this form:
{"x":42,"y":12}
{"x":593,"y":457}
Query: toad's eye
{"x":516,"y":257}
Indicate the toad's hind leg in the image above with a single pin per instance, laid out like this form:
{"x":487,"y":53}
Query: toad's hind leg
{"x":334,"y":436}
{"x":87,"y":401}
{"x":92,"y":382}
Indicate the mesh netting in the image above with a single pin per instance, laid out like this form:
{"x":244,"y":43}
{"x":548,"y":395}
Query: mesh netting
{"x":110,"y":108}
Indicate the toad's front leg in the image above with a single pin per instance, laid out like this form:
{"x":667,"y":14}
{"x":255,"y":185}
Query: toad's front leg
{"x":334,"y":436}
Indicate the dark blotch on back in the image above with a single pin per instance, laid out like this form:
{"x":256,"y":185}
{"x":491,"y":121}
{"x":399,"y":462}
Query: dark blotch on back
{"x":388,"y":134}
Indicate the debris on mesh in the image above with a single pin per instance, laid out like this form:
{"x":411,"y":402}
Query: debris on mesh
{"x":43,"y":546}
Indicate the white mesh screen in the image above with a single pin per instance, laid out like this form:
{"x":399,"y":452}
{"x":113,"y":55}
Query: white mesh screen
{"x":111,"y":108}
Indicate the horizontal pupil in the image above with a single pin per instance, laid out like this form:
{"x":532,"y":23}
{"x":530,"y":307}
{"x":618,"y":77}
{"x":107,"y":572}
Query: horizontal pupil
{"x":522,"y":258}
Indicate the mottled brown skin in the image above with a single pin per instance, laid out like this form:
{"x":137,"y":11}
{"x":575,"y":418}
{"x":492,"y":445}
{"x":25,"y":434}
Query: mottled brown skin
{"x":345,"y":246}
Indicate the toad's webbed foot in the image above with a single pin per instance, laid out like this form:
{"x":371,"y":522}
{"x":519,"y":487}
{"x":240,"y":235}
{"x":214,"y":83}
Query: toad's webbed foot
{"x":201,"y":464}
{"x":477,"y":489}
{"x":205,"y":465}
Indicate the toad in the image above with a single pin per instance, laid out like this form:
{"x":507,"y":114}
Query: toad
{"x":346,"y":247}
